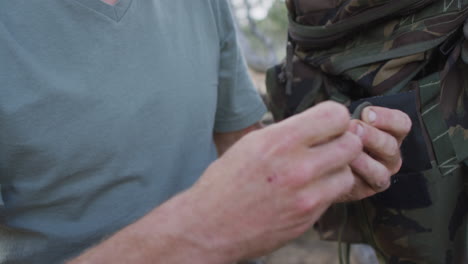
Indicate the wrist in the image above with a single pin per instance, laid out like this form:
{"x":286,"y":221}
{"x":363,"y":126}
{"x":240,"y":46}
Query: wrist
{"x":187,"y":229}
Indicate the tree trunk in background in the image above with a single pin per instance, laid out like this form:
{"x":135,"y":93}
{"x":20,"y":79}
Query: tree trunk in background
{"x":256,"y":61}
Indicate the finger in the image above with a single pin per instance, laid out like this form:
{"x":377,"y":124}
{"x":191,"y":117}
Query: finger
{"x":374,"y":173}
{"x":323,"y":192}
{"x":381,"y":145}
{"x":331,"y":188}
{"x":310,"y":200}
{"x":333,"y":155}
{"x":307,"y":166}
{"x":392,"y":121}
{"x":316,"y":125}
{"x":359,"y":191}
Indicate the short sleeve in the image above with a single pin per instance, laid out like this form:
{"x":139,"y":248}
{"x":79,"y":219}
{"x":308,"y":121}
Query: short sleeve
{"x":239,"y":104}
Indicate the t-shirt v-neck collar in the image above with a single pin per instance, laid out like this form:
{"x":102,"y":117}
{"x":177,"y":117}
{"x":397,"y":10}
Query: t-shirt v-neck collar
{"x":115,"y":12}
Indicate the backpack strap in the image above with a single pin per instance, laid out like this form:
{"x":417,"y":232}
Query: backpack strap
{"x":436,"y":127}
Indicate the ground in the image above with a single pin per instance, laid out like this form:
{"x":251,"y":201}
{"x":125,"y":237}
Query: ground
{"x":308,"y":249}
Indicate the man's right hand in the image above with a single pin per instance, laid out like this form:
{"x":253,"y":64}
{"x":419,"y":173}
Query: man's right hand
{"x":275,"y":183}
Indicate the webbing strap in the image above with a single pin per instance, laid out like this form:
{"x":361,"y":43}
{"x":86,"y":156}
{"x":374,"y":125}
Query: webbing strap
{"x":437,"y":129}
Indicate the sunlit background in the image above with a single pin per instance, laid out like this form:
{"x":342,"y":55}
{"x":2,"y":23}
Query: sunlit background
{"x":262,"y":30}
{"x":259,"y":8}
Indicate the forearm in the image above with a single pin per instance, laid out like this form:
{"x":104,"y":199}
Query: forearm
{"x":170,"y":234}
{"x":224,"y":141}
{"x":176,"y":232}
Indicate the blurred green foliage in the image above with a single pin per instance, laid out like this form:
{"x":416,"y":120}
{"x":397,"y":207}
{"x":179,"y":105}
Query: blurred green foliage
{"x":273,"y":27}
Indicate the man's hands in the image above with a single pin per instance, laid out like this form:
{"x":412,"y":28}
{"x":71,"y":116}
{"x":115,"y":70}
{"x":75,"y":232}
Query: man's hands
{"x":275,"y":183}
{"x":382,"y":131}
{"x":266,"y":190}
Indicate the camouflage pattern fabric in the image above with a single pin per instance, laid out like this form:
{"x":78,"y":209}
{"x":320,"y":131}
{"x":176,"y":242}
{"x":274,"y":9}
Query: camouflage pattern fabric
{"x":346,"y":51}
{"x":328,"y":21}
{"x":331,"y":13}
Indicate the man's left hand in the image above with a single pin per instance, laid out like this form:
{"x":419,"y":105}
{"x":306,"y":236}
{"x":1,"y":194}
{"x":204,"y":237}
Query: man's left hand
{"x":382,"y":131}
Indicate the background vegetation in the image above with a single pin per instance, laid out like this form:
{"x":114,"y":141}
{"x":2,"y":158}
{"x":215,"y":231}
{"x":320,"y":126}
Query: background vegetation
{"x":262,"y":30}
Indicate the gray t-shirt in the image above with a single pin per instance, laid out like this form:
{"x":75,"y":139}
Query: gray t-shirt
{"x":106,"y":112}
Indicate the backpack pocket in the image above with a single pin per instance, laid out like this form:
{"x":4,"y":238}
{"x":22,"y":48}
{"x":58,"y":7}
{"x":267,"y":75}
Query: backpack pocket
{"x":421,"y":217}
{"x":309,"y":87}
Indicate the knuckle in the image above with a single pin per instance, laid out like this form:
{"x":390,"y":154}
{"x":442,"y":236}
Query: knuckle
{"x":348,"y":180}
{"x":385,"y":144}
{"x":279,"y":145}
{"x":357,"y":143}
{"x":317,"y":166}
{"x":383,"y":180}
{"x":287,"y":141}
{"x":298,"y":176}
{"x":396,"y":168}
{"x":267,"y":143}
{"x":343,"y":183}
{"x":391,"y":147}
{"x":376,"y":174}
{"x":402,"y":118}
{"x":277,"y":148}
{"x":380,"y":141}
{"x":306,"y":205}
{"x":335,"y":111}
{"x":329,"y":104}
{"x":342,"y":113}
{"x":351,"y":143}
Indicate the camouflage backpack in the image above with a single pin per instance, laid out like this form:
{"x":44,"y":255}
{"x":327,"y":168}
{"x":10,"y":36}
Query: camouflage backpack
{"x":405,"y":54}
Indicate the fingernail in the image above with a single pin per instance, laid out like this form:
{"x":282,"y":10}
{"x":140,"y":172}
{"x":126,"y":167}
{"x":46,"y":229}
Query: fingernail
{"x":371,"y":116}
{"x":359,"y":130}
